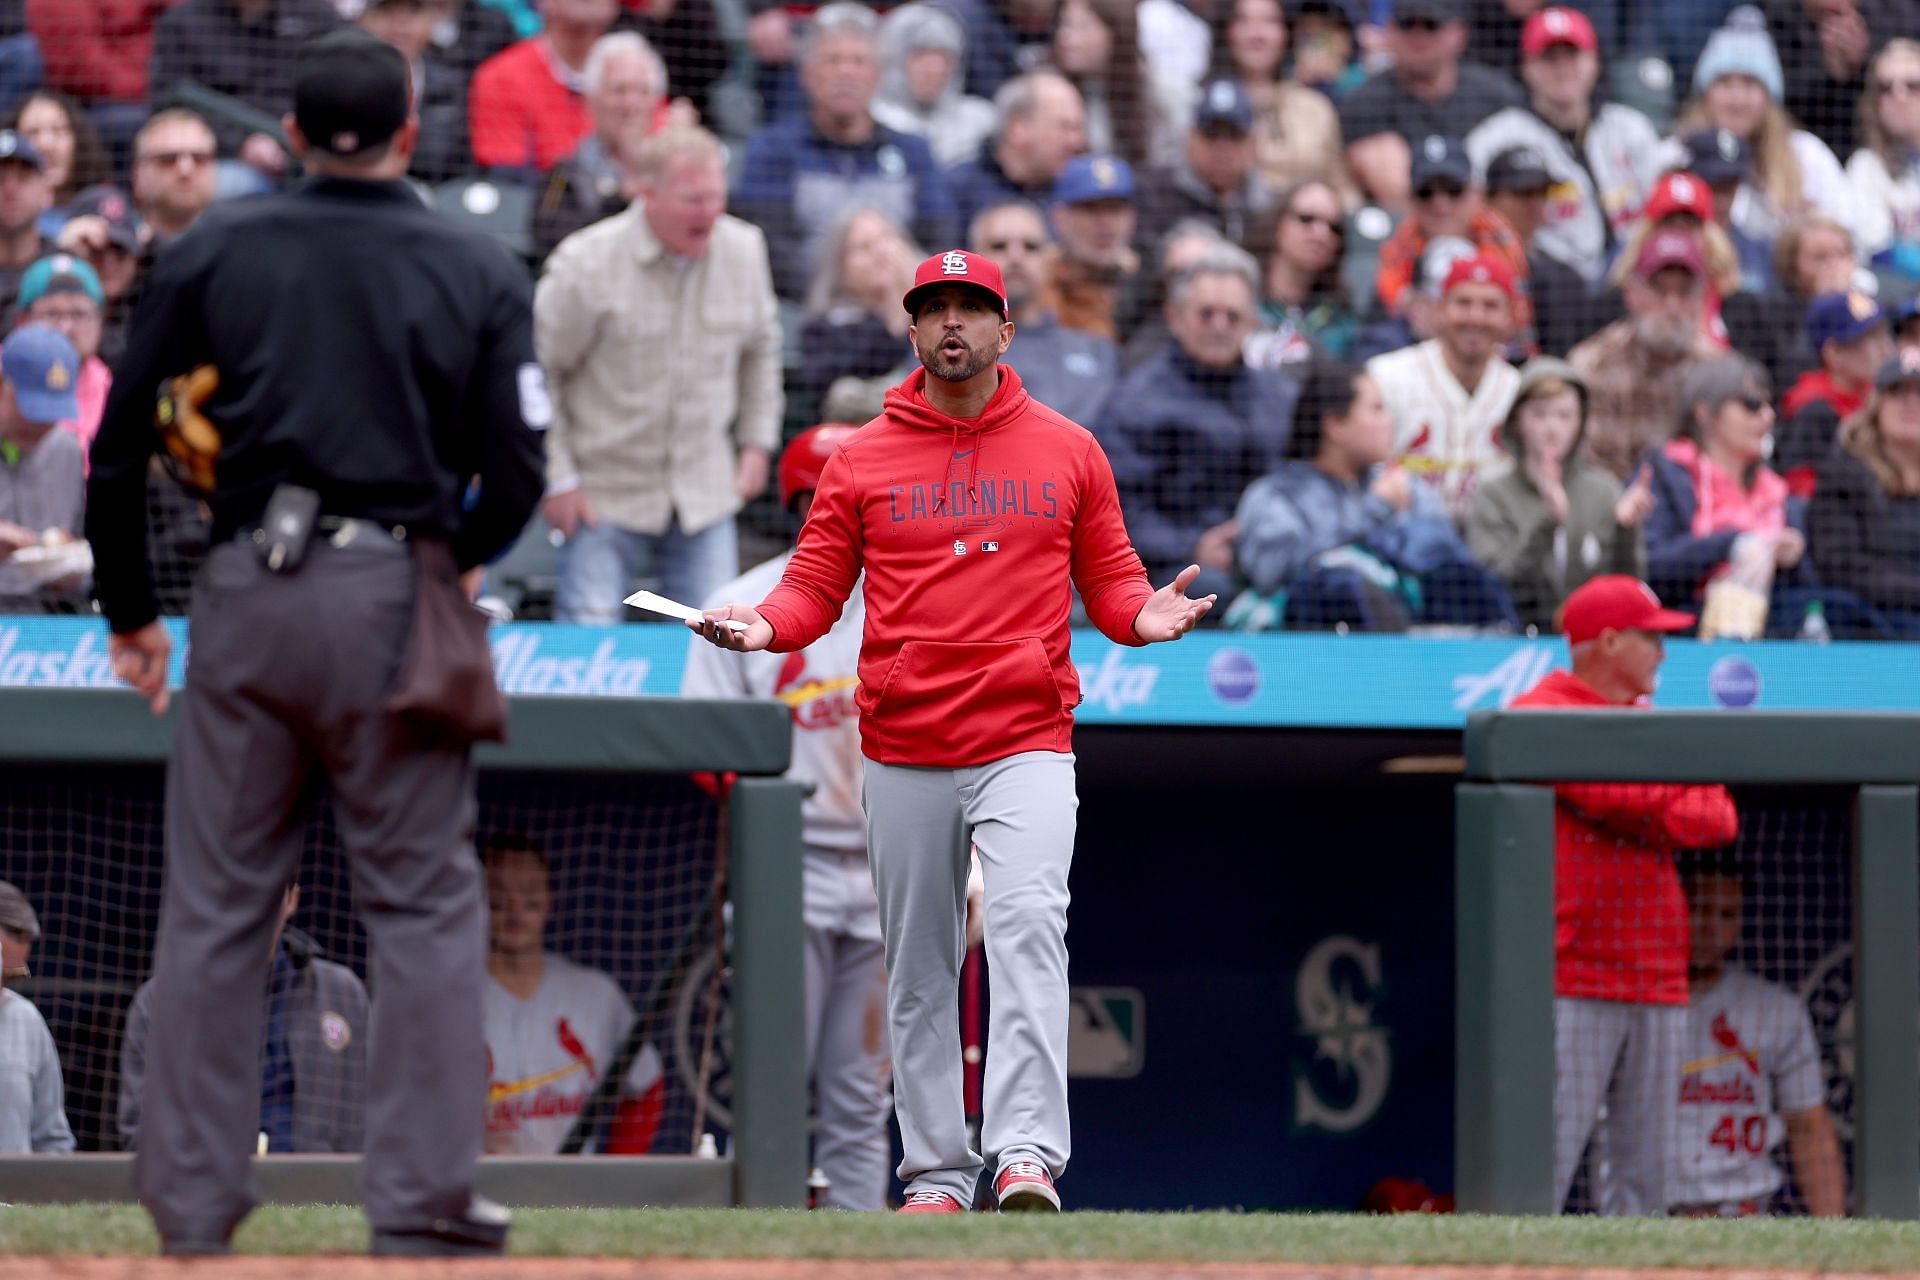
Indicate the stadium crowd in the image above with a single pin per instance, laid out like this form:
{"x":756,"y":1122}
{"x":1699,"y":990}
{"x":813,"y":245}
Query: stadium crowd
{"x":1411,"y":314}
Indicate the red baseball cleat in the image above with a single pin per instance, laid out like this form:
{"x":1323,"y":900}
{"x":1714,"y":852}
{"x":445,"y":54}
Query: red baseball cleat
{"x":932,"y":1202}
{"x":1026,"y":1187}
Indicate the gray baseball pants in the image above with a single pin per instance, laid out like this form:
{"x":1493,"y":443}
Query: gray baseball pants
{"x":285,"y":684}
{"x":1629,"y":1058}
{"x":1020,"y":813}
{"x":847,"y":1028}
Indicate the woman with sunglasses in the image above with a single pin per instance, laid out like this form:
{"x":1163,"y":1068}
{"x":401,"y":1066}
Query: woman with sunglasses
{"x":1886,"y":171}
{"x":1719,"y":510}
{"x":1306,"y":303}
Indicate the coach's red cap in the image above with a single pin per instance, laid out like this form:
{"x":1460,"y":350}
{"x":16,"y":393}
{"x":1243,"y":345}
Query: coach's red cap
{"x":957,"y":266}
{"x":1557,"y":25}
{"x":1680,"y":192}
{"x":1617,"y":602}
{"x":1481,"y":268}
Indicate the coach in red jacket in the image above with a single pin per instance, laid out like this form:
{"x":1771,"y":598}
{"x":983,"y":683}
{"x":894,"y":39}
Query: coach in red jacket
{"x":1620,"y":917}
{"x":973,"y":510}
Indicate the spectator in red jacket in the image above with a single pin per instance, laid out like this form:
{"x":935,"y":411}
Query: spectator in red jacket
{"x":96,"y":52}
{"x":1621,"y":938}
{"x":527,"y":107}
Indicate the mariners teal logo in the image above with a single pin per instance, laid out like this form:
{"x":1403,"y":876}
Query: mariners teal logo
{"x":1346,"y":1063}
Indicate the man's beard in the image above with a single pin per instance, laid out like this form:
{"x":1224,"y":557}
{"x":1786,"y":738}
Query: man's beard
{"x":977,"y":362}
{"x":1663,"y":336}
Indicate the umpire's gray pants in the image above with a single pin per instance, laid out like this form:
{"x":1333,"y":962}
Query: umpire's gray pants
{"x":1627,"y":1057}
{"x":1019,"y":813}
{"x":285,"y":683}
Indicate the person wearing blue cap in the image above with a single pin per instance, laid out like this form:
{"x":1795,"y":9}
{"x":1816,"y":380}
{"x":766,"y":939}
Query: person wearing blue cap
{"x":1215,"y":179}
{"x":64,"y":292}
{"x":1848,"y":334}
{"x":1094,"y":220}
{"x":25,"y":195}
{"x":42,"y":475}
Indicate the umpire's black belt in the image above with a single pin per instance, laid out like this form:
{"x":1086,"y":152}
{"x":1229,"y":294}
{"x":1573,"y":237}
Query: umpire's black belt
{"x":341,"y":532}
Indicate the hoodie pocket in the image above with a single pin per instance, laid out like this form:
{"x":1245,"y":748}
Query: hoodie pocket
{"x":969,"y":676}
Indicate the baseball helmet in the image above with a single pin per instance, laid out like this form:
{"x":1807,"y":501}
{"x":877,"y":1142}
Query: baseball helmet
{"x":806,"y":457}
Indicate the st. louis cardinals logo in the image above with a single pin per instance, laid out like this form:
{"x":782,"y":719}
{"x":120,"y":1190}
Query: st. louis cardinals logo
{"x":1344,"y":1079}
{"x":813,"y":702}
{"x":953,"y":263}
{"x":1727,"y":1038}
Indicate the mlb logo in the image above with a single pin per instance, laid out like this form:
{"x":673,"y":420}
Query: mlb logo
{"x":959,"y":547}
{"x":989,"y":546}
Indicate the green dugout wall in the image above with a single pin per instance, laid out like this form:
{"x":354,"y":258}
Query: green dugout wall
{"x":1504,"y":922}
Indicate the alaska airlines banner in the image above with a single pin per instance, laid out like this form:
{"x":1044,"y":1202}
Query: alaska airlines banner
{"x":1388,"y":682}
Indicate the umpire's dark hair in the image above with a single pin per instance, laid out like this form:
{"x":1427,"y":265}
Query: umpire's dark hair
{"x":1327,"y":390}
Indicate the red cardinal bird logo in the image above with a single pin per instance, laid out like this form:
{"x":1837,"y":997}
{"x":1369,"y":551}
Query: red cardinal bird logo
{"x":575,"y":1050}
{"x":1727,"y":1038}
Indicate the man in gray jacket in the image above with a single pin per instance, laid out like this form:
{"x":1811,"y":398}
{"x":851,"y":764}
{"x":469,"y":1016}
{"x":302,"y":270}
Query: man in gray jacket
{"x":1552,"y":520}
{"x":33,"y":1114}
{"x":313,"y":1064}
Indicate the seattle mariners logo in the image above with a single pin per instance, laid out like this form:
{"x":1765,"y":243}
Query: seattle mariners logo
{"x":1343,"y":1081}
{"x":953,"y":263}
{"x":1827,"y":991}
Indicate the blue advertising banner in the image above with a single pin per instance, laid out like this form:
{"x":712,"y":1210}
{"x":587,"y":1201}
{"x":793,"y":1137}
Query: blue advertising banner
{"x":1210,"y":678}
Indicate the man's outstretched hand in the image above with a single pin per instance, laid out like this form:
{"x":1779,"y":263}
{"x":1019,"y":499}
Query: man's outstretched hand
{"x":757,"y":636}
{"x":1168,"y":613}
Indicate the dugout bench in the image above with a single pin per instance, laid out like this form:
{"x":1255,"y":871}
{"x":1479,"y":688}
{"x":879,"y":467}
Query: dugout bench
{"x":110,"y":731}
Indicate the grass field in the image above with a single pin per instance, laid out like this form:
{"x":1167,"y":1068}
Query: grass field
{"x":1190,"y":1237}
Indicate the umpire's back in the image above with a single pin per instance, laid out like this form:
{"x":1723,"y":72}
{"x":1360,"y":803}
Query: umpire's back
{"x":366,"y":348}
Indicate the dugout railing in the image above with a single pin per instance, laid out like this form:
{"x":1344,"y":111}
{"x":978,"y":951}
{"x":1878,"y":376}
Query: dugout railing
{"x":1504,"y":951}
{"x":766,"y":1164}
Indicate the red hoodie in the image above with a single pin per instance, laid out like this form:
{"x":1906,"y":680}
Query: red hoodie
{"x":968,"y":530}
{"x":1620,"y":928}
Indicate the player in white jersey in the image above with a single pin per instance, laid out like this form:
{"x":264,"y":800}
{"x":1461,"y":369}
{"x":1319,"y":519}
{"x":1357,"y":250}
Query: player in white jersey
{"x":1449,"y":396}
{"x":846,"y":975}
{"x":552,"y":1025}
{"x":1752,"y":1077}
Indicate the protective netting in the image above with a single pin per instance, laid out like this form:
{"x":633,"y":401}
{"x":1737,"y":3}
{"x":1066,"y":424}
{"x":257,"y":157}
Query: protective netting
{"x":1330,"y":163}
{"x":1703,"y":1031}
{"x":602,"y":891}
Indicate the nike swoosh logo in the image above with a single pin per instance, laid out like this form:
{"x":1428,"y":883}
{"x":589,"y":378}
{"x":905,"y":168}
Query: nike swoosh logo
{"x":961,"y":453}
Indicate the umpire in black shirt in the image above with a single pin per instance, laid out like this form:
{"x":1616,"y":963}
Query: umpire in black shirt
{"x":380,"y":409}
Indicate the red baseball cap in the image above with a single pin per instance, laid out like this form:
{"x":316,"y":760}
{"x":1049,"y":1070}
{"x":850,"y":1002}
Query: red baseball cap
{"x":1666,"y":249}
{"x":957,"y":266}
{"x":1680,"y":192}
{"x":805,"y":457}
{"x":1617,"y":602}
{"x":1557,"y":25}
{"x":1481,"y":268}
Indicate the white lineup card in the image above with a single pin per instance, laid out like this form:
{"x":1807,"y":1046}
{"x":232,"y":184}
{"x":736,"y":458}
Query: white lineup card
{"x":653,"y":602}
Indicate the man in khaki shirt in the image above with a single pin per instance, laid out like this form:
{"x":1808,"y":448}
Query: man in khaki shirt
{"x":661,"y":343}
